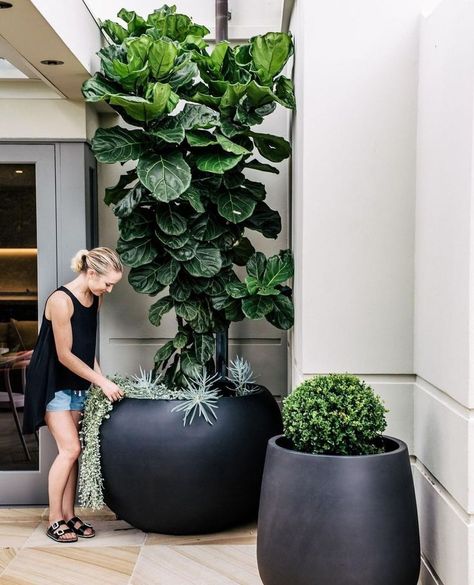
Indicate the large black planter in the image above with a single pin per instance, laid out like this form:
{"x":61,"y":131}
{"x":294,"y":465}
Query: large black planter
{"x":161,"y":476}
{"x":336,"y":520}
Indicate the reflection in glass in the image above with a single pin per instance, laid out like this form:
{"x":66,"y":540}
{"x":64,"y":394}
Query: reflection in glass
{"x":18,"y":309}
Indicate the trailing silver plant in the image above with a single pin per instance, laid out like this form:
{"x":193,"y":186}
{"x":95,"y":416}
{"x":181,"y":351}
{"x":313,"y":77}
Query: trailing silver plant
{"x":199,"y":397}
{"x":241,"y":375}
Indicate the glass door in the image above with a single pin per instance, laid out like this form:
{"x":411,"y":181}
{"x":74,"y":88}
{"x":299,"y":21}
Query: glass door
{"x":27,"y":275}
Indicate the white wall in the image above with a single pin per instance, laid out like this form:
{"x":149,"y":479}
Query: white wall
{"x":353,"y":195}
{"x":444,"y":400}
{"x":354,"y":186}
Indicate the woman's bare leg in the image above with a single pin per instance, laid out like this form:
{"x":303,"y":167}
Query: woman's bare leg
{"x":64,"y":430}
{"x":69,"y":496}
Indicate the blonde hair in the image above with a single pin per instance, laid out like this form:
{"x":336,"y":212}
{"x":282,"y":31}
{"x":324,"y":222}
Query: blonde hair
{"x":99,"y":259}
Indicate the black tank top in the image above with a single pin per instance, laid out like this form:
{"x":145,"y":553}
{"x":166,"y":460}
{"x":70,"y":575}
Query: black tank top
{"x":45,"y":374}
{"x":84,"y":331}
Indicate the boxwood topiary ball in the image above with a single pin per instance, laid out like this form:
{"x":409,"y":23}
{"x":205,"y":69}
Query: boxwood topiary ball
{"x":337,"y":414}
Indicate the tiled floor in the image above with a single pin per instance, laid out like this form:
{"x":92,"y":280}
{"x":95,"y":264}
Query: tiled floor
{"x":121,"y":554}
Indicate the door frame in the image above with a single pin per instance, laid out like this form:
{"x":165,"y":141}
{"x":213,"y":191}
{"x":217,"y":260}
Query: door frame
{"x":31,"y":486}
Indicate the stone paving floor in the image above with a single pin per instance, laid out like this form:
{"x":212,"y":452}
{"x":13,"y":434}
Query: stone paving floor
{"x":121,"y":554}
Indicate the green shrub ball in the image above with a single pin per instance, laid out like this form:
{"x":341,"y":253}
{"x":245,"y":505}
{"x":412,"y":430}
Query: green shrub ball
{"x":337,"y":414}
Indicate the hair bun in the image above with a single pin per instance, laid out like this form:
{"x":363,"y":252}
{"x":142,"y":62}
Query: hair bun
{"x":78,"y":262}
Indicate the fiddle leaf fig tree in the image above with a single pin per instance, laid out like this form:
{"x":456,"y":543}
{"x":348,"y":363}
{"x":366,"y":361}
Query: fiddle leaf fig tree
{"x":187,"y":210}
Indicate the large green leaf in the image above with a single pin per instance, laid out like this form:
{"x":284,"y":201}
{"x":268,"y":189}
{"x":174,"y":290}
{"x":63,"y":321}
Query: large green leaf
{"x":242,"y":252}
{"x":135,"y":24}
{"x":235,"y":205}
{"x":207,"y":262}
{"x":184,"y":253}
{"x":203,"y":323}
{"x":129,"y":77}
{"x":205,"y":99}
{"x":161,"y":57}
{"x":164,"y":353}
{"x":206,"y":228}
{"x":173,"y":242}
{"x":189,"y":364}
{"x":167,"y":272}
{"x":260,"y":95}
{"x":137,"y":252}
{"x":198,"y":116}
{"x":282,"y":315}
{"x":204,"y":347}
{"x":269,"y":53}
{"x":169,"y":130}
{"x":237,"y":290}
{"x":193,"y":196}
{"x":285,"y":92}
{"x":137,"y":51}
{"x":256,"y":266}
{"x":135,"y":226}
{"x":114,"y":194}
{"x":188,"y":310}
{"x":218,"y":54}
{"x":114,"y":30}
{"x":173,"y":26}
{"x":130,"y":202}
{"x":256,"y":190}
{"x":116,"y":144}
{"x":259,"y":166}
{"x":265,"y":220}
{"x":256,"y":307}
{"x":274,"y":148}
{"x":165,"y":175}
{"x":229,"y":146}
{"x":179,"y":290}
{"x":199,"y":138}
{"x":233,"y":310}
{"x":182,"y":74}
{"x":217,"y":161}
{"x":160,"y":308}
{"x":180,"y":340}
{"x":233,"y":94}
{"x":98,"y":88}
{"x":170,"y":221}
{"x":161,"y":100}
{"x":278,"y":269}
{"x":144,"y":279}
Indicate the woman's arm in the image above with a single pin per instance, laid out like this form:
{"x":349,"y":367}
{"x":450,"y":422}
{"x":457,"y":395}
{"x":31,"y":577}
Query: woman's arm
{"x":61,"y":310}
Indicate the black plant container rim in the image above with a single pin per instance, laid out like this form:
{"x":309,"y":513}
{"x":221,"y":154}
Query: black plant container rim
{"x":392,"y":446}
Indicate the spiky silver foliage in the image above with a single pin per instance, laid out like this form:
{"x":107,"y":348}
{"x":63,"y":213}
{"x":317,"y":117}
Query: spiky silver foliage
{"x":241,"y":375}
{"x":199,"y":397}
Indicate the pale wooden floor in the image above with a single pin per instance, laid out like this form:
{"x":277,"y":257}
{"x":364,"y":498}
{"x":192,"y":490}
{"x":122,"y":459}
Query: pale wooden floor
{"x":121,"y":555}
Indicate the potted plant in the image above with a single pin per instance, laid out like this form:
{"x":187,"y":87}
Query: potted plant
{"x":337,"y":503}
{"x":185,"y":213}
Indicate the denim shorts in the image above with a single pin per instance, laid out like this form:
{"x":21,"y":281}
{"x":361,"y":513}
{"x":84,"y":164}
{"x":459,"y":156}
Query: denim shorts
{"x":67,"y":400}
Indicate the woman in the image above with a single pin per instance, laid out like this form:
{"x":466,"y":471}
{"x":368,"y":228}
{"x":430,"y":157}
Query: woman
{"x":62,"y":367}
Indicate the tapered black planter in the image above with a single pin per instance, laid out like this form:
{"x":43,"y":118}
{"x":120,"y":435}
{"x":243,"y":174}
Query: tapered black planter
{"x":336,"y":520}
{"x":161,"y":476}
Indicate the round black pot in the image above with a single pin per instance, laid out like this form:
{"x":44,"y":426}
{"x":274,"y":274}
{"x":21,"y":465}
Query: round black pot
{"x":161,"y":476}
{"x":337,"y":520}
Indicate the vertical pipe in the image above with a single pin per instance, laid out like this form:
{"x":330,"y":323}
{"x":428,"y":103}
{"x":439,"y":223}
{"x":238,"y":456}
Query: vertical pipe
{"x":222,"y":10}
{"x":222,"y":337}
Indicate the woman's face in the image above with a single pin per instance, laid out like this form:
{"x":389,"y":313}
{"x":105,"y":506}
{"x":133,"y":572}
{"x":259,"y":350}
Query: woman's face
{"x":102,"y":283}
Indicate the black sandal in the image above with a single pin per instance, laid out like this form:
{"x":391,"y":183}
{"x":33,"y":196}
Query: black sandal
{"x":55,"y":532}
{"x":80,"y":531}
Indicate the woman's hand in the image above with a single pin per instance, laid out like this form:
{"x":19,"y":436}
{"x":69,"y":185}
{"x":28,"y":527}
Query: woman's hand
{"x":111,"y":390}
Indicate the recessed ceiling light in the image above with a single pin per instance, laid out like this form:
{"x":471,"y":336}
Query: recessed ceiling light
{"x":19,"y":172}
{"x":5,"y":5}
{"x":52,"y":62}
